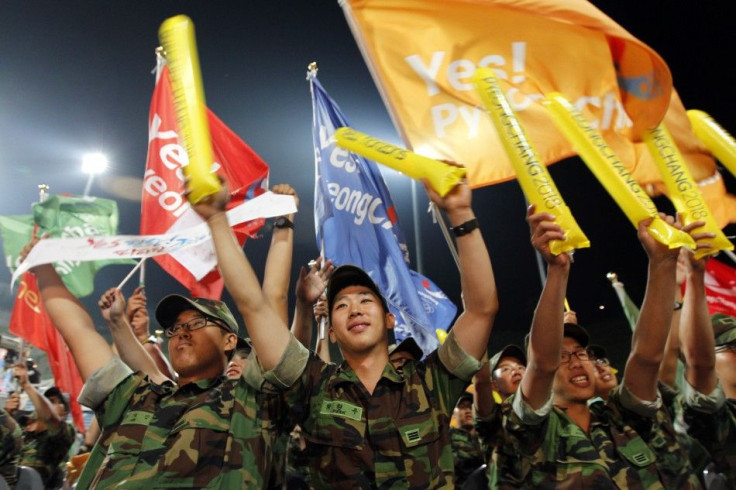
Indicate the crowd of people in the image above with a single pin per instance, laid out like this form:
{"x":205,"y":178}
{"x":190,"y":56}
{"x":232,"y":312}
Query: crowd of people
{"x":244,"y":402}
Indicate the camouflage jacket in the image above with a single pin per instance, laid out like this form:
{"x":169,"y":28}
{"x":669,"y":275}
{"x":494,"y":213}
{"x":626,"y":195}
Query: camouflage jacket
{"x":11,"y":442}
{"x":467,"y":453}
{"x":717,"y":432}
{"x":621,"y":450}
{"x":396,"y":437}
{"x":215,"y":433}
{"x":46,"y":451}
{"x":490,"y":430}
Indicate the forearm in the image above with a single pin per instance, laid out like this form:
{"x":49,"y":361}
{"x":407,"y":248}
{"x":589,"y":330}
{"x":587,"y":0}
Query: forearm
{"x":545,"y":338}
{"x":42,"y":406}
{"x":650,"y":335}
{"x":301,"y":325}
{"x":88,"y":347}
{"x":483,"y":394}
{"x":480,"y":298}
{"x":698,"y":345}
{"x":278,"y":271}
{"x":132,"y":352}
{"x":268,"y":332}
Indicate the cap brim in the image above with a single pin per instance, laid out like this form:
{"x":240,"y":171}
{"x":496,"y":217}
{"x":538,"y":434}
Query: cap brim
{"x":510,"y":350}
{"x":351,"y":275}
{"x":575,"y":331}
{"x":409,"y":345}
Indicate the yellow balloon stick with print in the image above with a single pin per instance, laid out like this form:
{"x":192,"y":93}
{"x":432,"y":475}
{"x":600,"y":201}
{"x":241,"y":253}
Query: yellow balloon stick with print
{"x":714,"y":137}
{"x":683,"y":191}
{"x":441,"y":176}
{"x":176,"y":35}
{"x":532,"y":174}
{"x":611,"y":173}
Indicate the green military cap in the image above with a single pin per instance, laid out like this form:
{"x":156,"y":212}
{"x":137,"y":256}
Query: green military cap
{"x":351,"y":275}
{"x":465,"y":396}
{"x":572,"y":330}
{"x":244,"y":344}
{"x":408,"y":345}
{"x":510,"y":350}
{"x":724,"y":328}
{"x":172,"y":305}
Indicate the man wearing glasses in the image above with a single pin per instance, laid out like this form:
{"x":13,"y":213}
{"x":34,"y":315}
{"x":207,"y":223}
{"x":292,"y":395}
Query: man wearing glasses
{"x":554,"y":439}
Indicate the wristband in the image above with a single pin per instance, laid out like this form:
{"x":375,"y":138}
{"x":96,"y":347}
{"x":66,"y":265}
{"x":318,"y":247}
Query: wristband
{"x":283,"y":222}
{"x":465,"y":228}
{"x":677,"y":306}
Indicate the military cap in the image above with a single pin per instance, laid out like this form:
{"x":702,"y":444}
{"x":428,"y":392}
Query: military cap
{"x":350,"y":275}
{"x":510,"y":350}
{"x":724,"y":328}
{"x":172,"y":305}
{"x":407,"y":345}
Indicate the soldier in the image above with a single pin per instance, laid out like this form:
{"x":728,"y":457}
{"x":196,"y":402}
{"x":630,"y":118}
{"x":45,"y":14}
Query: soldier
{"x":368,"y":425}
{"x":709,"y":348}
{"x":406,"y":350}
{"x":205,"y":432}
{"x":466,"y":449}
{"x":605,"y":374}
{"x":47,"y":437}
{"x":11,"y":443}
{"x":553,"y":437}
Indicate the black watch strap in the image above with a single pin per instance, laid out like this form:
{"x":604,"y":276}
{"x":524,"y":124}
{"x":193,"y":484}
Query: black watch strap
{"x":283,"y":222}
{"x":465,"y":228}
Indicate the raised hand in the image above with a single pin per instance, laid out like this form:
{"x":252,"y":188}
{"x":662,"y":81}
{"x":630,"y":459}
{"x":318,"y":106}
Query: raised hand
{"x":543,"y":230}
{"x":112,"y":305}
{"x":311,"y":284}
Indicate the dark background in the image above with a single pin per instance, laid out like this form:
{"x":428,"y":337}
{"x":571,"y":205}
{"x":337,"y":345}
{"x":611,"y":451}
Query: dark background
{"x":75,"y":77}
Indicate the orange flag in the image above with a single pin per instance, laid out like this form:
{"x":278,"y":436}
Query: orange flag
{"x":423,"y":53}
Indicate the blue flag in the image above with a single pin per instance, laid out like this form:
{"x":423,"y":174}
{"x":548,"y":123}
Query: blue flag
{"x":356,"y":223}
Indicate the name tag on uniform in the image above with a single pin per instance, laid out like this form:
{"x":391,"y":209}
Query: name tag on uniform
{"x":134,"y":417}
{"x":341,"y":409}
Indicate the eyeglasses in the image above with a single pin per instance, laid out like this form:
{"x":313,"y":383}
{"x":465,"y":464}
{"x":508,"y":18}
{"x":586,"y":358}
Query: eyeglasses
{"x":602,"y":361}
{"x":507,"y":368}
{"x":726,"y":347}
{"x":190,"y":326}
{"x":581,"y":354}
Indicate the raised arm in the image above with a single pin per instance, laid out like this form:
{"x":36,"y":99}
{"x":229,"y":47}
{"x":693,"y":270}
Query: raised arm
{"x":545,"y":337}
{"x":137,"y":314}
{"x":480,"y":300}
{"x":652,"y":327}
{"x":696,"y":333}
{"x":132,"y":353}
{"x":41,"y":405}
{"x":278,"y":261}
{"x":267,"y":330}
{"x":89,"y":349}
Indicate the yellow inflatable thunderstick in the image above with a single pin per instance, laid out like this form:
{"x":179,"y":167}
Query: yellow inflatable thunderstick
{"x":682,"y":189}
{"x":533,"y":176}
{"x":715,"y":138}
{"x":176,"y":35}
{"x":611,"y":173}
{"x":441,"y":176}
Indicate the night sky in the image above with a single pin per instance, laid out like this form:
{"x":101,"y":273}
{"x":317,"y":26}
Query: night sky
{"x":75,"y":77}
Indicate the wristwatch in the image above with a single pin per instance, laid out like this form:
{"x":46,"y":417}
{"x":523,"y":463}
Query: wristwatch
{"x":283,"y":222}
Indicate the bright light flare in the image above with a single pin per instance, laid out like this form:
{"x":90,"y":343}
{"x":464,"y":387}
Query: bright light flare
{"x":94,"y":163}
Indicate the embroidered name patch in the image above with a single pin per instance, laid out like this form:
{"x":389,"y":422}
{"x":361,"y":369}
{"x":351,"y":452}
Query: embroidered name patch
{"x":341,"y":409}
{"x":137,"y":418}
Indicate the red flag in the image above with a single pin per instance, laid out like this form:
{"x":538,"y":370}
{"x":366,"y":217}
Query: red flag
{"x":30,"y":321}
{"x":720,"y":287}
{"x":163,"y":207}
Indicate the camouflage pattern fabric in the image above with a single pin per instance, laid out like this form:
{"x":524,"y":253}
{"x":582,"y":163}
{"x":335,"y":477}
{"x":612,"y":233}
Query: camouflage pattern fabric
{"x":492,"y":436}
{"x":558,"y":454}
{"x":11,"y":443}
{"x":214,"y":433}
{"x":717,"y":433}
{"x":396,"y":437}
{"x":47,"y":451}
{"x":467,"y":453}
{"x":297,"y":462}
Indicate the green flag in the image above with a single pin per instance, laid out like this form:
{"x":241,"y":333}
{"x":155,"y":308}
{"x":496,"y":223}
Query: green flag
{"x":64,"y":217}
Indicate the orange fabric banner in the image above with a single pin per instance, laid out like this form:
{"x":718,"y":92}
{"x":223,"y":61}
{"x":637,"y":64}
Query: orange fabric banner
{"x":423,"y":53}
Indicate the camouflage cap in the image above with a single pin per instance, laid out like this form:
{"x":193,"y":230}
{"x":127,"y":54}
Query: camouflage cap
{"x":243,"y":344}
{"x":465,"y":396}
{"x":572,"y":330}
{"x":172,"y":305}
{"x":510,"y":350}
{"x":407,"y":345}
{"x":350,"y":275}
{"x":724,"y":328}
{"x":56,"y":392}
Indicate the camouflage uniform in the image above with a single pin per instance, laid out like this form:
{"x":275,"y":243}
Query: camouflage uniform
{"x":397,"y":437}
{"x":623,"y":449}
{"x":46,"y":451}
{"x":492,"y":435}
{"x":213,"y":433}
{"x":467,"y":453}
{"x":11,"y":443}
{"x":712,"y":421}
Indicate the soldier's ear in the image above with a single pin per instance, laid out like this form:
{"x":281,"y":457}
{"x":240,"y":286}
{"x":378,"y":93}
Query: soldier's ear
{"x":333,"y":339}
{"x":390,"y":321}
{"x":231,"y":340}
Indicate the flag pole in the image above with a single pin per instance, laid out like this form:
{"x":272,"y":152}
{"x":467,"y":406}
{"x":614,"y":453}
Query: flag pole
{"x":437,"y":216}
{"x":417,"y":237}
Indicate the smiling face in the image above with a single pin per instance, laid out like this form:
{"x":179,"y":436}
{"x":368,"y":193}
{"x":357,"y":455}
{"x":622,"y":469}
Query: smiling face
{"x":574,"y":381}
{"x":199,"y":354}
{"x":605,"y":380}
{"x":358,"y":322}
